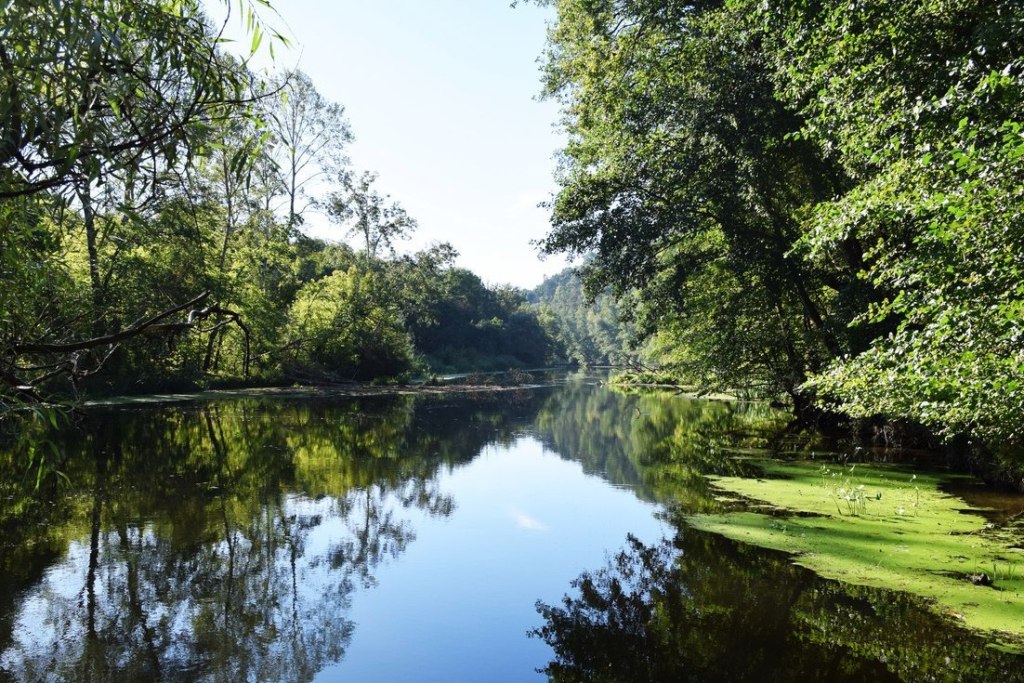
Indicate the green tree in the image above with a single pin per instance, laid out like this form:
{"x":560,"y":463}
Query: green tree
{"x":98,"y":95}
{"x":921,"y":103}
{"x":807,"y":198}
{"x":589,"y":331}
{"x":368,"y":214}
{"x":683,"y":180}
{"x":341,"y":326}
{"x":468,"y":325}
{"x":93,"y":89}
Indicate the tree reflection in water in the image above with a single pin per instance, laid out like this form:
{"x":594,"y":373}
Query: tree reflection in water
{"x":229,"y":540}
{"x":223,"y":542}
{"x":703,"y":608}
{"x":658,"y":445}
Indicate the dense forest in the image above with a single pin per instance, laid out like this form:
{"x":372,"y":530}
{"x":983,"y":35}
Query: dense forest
{"x":813,"y":199}
{"x":587,"y":330}
{"x":804,"y":200}
{"x":154,"y":193}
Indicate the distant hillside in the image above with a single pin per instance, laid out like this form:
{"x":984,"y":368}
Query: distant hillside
{"x":590,"y":334}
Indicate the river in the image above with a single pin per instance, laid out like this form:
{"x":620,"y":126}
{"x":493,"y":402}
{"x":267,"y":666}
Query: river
{"x":518,"y":535}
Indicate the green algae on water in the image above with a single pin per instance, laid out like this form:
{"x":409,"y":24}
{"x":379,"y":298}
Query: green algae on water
{"x":886,"y":527}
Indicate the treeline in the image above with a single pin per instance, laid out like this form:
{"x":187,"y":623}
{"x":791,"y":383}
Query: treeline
{"x":153,"y":193}
{"x":587,"y":330}
{"x":815,"y":199}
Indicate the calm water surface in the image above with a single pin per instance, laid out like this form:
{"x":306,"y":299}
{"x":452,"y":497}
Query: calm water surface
{"x":524,"y":535}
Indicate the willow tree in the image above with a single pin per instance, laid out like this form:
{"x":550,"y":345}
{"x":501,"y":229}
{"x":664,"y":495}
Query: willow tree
{"x":95,"y":94}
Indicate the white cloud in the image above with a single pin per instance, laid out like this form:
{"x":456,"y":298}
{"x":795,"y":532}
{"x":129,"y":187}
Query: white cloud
{"x":526,"y":522}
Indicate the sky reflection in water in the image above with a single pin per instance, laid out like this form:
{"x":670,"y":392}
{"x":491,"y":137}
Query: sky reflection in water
{"x":458,"y":605}
{"x":411,"y":538}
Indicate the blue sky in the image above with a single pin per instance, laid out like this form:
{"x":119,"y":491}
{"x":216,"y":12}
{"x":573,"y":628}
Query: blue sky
{"x":441,"y":96}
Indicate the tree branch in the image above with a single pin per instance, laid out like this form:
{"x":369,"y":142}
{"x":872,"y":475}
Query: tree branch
{"x":128,"y":333}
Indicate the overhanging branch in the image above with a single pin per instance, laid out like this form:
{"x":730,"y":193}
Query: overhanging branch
{"x":49,"y":360}
{"x":117,"y":337}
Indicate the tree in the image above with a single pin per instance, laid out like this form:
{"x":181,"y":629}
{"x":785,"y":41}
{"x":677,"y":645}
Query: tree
{"x":369,"y":215}
{"x":921,"y":102}
{"x":590,"y":332}
{"x":807,"y":197}
{"x":683,"y":179}
{"x":93,"y":89}
{"x":98,"y":94}
{"x":342,"y":327}
{"x":460,"y":323}
{"x":311,"y":134}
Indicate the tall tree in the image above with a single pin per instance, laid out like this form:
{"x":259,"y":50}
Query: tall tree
{"x":368,"y":214}
{"x":311,"y":134}
{"x":922,"y":103}
{"x":820,"y":197}
{"x":684,"y":180}
{"x":98,"y":94}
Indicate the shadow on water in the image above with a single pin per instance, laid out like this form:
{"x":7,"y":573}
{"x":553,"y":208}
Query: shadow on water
{"x":703,"y":608}
{"x":699,"y":607}
{"x":227,"y":540}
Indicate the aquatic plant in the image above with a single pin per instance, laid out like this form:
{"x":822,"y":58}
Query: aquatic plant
{"x":849,"y":493}
{"x":920,"y":541}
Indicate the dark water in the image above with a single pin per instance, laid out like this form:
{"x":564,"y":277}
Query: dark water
{"x":514,"y":536}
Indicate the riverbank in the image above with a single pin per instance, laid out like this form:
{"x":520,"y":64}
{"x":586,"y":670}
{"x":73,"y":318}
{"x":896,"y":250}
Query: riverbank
{"x":354,"y":389}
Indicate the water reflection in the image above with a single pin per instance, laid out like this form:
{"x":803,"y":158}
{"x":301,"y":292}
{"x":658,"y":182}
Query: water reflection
{"x":702,"y":608}
{"x":222,"y":541}
{"x":232,"y":540}
{"x":657,"y":445}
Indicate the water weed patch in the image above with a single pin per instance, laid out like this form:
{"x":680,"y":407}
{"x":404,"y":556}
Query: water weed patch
{"x":887,"y":527}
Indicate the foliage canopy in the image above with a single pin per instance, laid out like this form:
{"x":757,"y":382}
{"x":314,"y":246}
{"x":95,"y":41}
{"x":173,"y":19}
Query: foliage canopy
{"x":807,"y":197}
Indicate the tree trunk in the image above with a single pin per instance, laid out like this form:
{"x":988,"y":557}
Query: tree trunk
{"x":95,"y":280}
